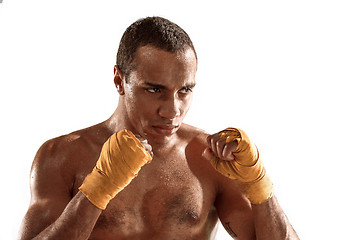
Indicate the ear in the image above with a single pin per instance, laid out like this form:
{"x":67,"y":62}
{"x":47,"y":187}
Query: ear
{"x":119,"y":80}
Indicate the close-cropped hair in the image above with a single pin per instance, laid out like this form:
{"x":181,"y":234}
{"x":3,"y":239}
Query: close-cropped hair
{"x":155,"y":31}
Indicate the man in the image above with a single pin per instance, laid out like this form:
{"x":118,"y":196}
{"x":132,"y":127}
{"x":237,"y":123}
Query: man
{"x":143,"y":174}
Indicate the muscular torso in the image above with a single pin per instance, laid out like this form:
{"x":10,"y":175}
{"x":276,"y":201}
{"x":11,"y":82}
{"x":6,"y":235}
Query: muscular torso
{"x":171,"y":198}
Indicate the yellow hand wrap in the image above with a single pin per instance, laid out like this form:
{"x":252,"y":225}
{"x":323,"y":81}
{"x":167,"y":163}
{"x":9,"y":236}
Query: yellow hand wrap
{"x":121,"y":158}
{"x":247,"y":168}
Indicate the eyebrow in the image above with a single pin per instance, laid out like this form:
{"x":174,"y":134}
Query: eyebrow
{"x":159,"y":86}
{"x":192,"y":85}
{"x":154,"y":85}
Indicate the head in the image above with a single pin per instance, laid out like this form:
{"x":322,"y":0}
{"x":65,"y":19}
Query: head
{"x":155,"y":31}
{"x":155,"y":77}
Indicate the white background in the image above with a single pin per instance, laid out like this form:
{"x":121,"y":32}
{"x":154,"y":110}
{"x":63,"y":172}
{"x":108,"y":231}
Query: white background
{"x":286,"y":72}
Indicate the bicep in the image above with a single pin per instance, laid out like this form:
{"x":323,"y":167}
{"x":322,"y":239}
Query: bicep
{"x":49,"y":195}
{"x":234,"y":211}
{"x":39,"y":216}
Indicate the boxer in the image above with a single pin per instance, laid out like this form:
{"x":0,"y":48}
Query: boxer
{"x":143,"y":173}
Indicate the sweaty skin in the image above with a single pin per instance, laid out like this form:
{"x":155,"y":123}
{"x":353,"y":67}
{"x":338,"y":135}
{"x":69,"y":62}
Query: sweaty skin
{"x":178,"y":195}
{"x":165,"y":201}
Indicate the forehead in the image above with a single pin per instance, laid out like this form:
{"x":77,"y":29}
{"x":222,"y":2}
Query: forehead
{"x":162,"y":67}
{"x":149,"y":52}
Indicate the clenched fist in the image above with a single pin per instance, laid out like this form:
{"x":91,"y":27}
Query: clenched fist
{"x":232,"y":154}
{"x":121,"y":158}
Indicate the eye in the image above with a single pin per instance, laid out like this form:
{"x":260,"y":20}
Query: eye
{"x":186,"y":90}
{"x":153,"y":90}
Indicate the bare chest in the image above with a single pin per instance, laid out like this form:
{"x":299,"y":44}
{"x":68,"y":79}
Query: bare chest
{"x":169,"y":199}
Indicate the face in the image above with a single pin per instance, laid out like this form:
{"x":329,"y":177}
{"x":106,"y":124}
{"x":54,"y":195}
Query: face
{"x":158,"y":93}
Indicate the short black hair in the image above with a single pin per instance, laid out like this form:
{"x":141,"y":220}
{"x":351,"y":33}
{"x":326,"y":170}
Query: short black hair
{"x":155,"y":31}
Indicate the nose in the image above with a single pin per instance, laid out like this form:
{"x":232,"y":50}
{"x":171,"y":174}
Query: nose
{"x":170,"y":108}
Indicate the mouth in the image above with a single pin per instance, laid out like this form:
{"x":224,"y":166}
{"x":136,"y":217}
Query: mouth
{"x":165,"y":129}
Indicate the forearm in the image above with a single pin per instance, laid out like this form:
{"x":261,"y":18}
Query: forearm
{"x":271,"y":222}
{"x":76,"y":222}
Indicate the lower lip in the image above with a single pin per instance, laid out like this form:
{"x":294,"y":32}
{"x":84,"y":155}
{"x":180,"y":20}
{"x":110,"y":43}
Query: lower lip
{"x":164,"y":131}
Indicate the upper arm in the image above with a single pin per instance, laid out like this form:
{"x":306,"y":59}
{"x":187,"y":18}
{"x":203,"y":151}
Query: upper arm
{"x":50,"y":189}
{"x":234,"y":210}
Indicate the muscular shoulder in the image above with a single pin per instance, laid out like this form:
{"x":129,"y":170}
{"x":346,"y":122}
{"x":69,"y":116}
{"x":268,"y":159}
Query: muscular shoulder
{"x":193,"y":134}
{"x":52,"y":157}
{"x":55,"y":152}
{"x":62,"y":149}
{"x":61,"y":158}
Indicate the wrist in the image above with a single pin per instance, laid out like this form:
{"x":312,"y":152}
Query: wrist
{"x":98,"y":189}
{"x":258,"y":192}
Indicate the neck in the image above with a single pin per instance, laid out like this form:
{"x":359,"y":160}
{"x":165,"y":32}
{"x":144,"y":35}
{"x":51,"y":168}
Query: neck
{"x":116,"y":121}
